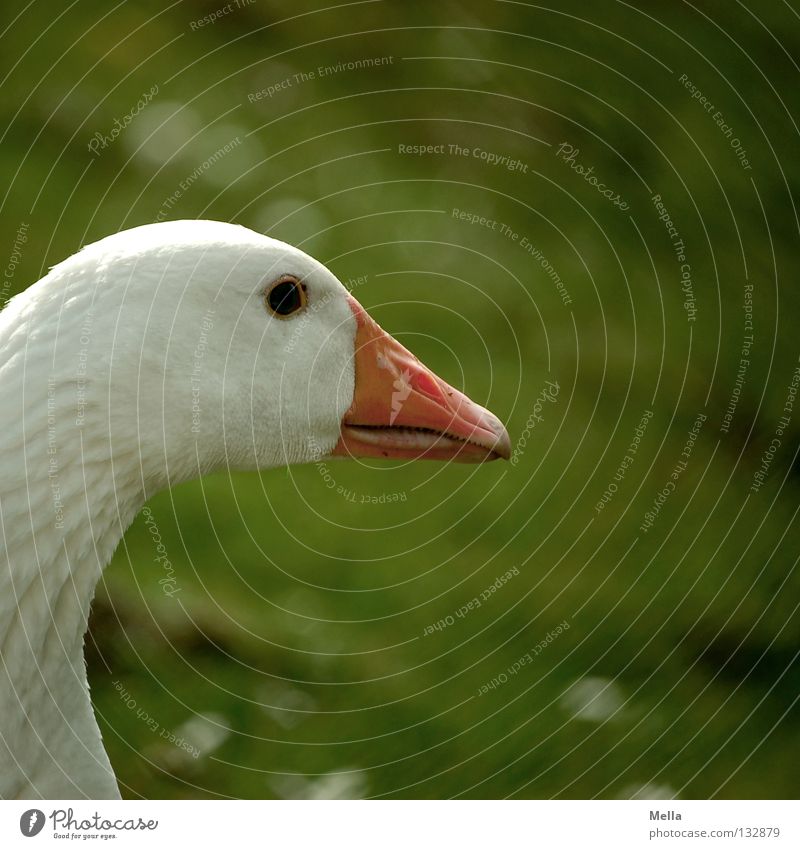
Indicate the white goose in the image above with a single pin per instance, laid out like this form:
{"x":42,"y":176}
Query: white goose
{"x":148,"y":358}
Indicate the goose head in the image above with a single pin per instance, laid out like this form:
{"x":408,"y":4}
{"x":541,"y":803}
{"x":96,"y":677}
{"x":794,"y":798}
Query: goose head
{"x":228,"y":349}
{"x":150,"y":357}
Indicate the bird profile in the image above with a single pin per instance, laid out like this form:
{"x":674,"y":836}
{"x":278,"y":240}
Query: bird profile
{"x":152,"y":357}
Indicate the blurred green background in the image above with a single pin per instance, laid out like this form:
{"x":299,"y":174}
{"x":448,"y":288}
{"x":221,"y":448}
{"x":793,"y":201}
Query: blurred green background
{"x":298,"y":657}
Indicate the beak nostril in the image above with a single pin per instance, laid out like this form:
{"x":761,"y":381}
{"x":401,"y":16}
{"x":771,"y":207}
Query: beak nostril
{"x":424,"y":382}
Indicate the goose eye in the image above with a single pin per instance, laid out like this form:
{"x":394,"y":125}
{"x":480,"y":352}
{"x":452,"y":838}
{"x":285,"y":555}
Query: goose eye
{"x":286,"y":297}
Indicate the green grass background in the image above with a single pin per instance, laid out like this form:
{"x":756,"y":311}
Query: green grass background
{"x":298,"y":631}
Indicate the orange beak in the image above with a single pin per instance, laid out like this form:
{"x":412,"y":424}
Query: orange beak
{"x":401,"y":409}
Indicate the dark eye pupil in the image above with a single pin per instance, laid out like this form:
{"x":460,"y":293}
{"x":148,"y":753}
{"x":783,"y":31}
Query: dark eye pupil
{"x":284,"y":298}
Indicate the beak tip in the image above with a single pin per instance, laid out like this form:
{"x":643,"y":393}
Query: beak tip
{"x":502,"y":448}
